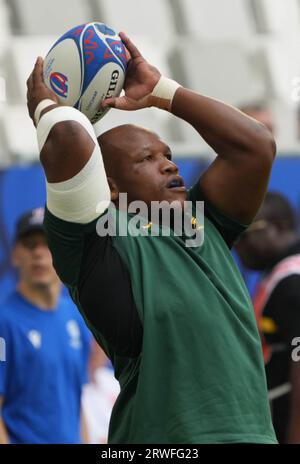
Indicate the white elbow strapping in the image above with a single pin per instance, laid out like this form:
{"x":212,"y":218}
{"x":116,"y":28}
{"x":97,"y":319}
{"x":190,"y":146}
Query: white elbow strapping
{"x":61,"y":114}
{"x":85,"y":196}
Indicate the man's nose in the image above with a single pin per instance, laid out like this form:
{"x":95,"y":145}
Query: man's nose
{"x":39,"y":249}
{"x":168,"y":167}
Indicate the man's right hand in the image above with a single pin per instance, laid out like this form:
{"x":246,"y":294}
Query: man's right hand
{"x":141,"y":78}
{"x":37,"y":89}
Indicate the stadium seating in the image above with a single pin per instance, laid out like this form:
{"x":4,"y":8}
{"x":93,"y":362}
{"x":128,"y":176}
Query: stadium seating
{"x":277,"y":16}
{"x":18,"y":136}
{"x":19,"y":61}
{"x":215,"y":19}
{"x":4,"y":26}
{"x":223,"y":69}
{"x":240,"y":51}
{"x":33,"y":17}
{"x":149,"y":18}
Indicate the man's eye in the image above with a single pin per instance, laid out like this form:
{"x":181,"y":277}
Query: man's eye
{"x":169,"y":157}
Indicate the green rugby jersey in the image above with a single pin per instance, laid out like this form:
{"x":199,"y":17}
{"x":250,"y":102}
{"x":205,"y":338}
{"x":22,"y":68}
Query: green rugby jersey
{"x":189,"y":365}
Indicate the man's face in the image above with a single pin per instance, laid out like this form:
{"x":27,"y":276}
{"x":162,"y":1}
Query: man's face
{"x":32,"y":257}
{"x":145,"y":170}
{"x":258,"y":246}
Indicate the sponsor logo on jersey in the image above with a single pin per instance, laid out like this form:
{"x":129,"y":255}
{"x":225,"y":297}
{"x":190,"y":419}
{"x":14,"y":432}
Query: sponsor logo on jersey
{"x":2,"y":350}
{"x":74,"y":334}
{"x":35,"y":339}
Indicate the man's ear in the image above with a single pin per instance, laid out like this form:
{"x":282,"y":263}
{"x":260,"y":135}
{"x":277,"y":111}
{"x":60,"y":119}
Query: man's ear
{"x":114,"y":191}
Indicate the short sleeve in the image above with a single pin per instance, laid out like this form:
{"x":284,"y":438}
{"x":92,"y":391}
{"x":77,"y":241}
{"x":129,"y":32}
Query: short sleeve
{"x":111,"y":313}
{"x":90,"y":264}
{"x":66,"y":242}
{"x":228,"y":228}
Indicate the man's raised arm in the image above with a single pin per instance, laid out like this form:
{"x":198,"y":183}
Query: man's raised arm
{"x":236,"y":181}
{"x":69,"y":153}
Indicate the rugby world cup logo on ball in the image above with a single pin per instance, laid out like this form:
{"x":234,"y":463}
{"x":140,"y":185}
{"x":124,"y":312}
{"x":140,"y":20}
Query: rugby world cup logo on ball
{"x":85,"y":66}
{"x":59,"y":84}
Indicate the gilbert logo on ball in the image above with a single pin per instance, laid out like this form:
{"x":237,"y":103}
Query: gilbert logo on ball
{"x":85,"y":66}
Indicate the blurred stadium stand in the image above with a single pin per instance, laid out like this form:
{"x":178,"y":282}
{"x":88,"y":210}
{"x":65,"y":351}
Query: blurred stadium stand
{"x":277,"y":16}
{"x":33,"y":17}
{"x":241,"y":51}
{"x":215,"y":19}
{"x":153,"y":19}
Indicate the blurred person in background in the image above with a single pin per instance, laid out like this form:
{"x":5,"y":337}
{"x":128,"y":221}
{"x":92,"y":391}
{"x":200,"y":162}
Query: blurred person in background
{"x":272,"y":245}
{"x":99,"y":395}
{"x":47,"y":345}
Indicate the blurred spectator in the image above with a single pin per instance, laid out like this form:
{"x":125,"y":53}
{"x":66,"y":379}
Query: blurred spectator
{"x":272,"y":245}
{"x":99,"y":396}
{"x":261,"y":113}
{"x":47,"y":346}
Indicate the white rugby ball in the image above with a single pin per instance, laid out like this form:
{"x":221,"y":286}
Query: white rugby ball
{"x":85,"y":66}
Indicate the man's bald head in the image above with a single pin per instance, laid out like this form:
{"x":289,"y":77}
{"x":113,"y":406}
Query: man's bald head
{"x":121,"y":142}
{"x":139,"y":164}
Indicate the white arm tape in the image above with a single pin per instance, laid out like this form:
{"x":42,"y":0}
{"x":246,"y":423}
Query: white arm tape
{"x":61,"y":114}
{"x":42,"y":106}
{"x":85,"y":196}
{"x":164,"y":92}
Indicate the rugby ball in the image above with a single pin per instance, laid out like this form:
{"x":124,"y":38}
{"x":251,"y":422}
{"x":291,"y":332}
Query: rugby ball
{"x":85,"y":66}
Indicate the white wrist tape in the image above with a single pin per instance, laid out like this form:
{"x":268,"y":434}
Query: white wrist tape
{"x":61,"y":114}
{"x":85,"y":196}
{"x":42,"y":106}
{"x":163,"y":93}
